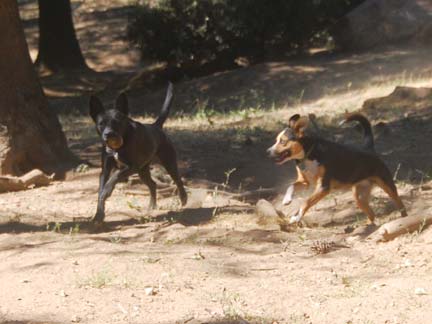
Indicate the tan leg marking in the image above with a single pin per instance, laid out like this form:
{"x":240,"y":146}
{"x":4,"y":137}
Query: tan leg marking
{"x":319,"y":193}
{"x":393,"y":194}
{"x":362,"y":192}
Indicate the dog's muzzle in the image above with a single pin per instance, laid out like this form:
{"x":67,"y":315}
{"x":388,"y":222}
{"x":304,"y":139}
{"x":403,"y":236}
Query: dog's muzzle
{"x":270,"y":152}
{"x":282,"y":157}
{"x":278,"y":157}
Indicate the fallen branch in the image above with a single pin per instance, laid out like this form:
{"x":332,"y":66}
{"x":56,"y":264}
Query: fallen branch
{"x":34,"y":178}
{"x":400,"y":226}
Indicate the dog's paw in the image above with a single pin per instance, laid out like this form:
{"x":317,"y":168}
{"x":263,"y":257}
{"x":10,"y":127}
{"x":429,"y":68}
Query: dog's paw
{"x":98,"y":218}
{"x":295,"y":219}
{"x":97,"y":226}
{"x":183,"y":198}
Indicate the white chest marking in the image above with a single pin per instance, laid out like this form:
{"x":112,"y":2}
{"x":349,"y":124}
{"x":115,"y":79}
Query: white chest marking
{"x":310,"y":170}
{"x":117,"y":159}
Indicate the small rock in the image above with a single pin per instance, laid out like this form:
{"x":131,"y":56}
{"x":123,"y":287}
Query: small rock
{"x":63,"y":294}
{"x":268,"y":216}
{"x":76,"y":319}
{"x":150,"y":291}
{"x":378,"y":285}
{"x":420,"y":291}
{"x":408,"y":263}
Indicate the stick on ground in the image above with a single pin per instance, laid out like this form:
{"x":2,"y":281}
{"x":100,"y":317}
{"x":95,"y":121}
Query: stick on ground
{"x":400,"y":226}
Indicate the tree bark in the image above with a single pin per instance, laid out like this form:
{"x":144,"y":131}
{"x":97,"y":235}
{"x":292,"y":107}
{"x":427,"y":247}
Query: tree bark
{"x":30,"y":134}
{"x":58,"y":46}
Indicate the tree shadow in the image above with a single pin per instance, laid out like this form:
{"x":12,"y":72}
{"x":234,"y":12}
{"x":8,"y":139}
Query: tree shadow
{"x":229,"y":320}
{"x":28,"y":322}
{"x":66,"y":227}
{"x":188,"y":216}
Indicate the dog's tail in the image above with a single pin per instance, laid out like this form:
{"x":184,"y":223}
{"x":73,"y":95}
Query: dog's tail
{"x":166,"y":107}
{"x":368,"y":139}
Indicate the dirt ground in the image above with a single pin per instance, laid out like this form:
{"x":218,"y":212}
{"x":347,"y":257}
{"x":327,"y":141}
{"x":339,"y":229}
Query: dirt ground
{"x":216,"y":261}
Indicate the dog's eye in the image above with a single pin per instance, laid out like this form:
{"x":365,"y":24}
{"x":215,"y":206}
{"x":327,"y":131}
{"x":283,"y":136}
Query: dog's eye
{"x":283,"y":142}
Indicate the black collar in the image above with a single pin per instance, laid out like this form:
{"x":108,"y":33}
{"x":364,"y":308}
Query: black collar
{"x":306,"y":157}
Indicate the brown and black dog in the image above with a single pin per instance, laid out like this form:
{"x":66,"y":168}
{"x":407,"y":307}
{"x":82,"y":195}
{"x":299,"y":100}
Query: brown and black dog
{"x":330,"y":166}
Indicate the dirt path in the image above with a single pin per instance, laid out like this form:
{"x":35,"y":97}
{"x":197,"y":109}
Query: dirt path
{"x":227,"y":270}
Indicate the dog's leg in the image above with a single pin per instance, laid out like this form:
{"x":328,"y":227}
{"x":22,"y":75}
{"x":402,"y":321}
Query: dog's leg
{"x":145,"y":176}
{"x":300,"y":184}
{"x":320,"y":192}
{"x":107,"y":191}
{"x":168,"y":159}
{"x":390,"y":189}
{"x":361,"y":194}
{"x":293,"y":188}
{"x":108,"y":164}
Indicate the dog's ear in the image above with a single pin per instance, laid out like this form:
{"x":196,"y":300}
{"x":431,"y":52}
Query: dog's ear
{"x":96,"y":107}
{"x":293,"y":119}
{"x":300,"y":126}
{"x":122,"y":104}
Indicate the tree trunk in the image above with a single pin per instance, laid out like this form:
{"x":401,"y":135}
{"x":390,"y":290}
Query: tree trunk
{"x":58,"y":46}
{"x":30,"y":134}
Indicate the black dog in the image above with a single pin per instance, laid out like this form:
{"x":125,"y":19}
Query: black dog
{"x":129,"y":147}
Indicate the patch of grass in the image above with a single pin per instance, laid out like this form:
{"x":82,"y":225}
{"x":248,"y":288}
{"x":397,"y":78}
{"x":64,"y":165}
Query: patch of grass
{"x":82,"y":168}
{"x":99,"y":280}
{"x":75,"y":229}
{"x":145,"y":220}
{"x":203,"y":112}
{"x":54,"y":227}
{"x":234,"y":309}
{"x":232,"y":305}
{"x":150,"y":260}
{"x":115,"y":239}
{"x":132,"y":204}
{"x":346,"y":281}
